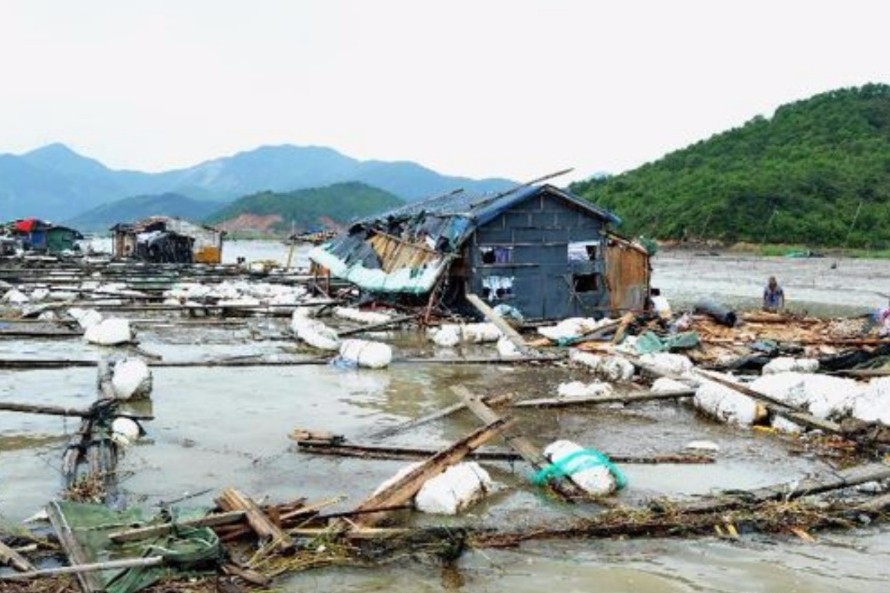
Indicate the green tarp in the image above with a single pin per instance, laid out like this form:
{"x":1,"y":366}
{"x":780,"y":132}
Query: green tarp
{"x":648,"y":342}
{"x":185,"y":550}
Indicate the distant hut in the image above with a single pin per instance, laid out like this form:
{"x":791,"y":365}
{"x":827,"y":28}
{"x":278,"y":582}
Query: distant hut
{"x":539,"y":249}
{"x":39,"y":235}
{"x":167,"y":239}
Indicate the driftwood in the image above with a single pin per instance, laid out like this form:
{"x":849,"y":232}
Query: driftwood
{"x":560,"y":402}
{"x":562,"y":486}
{"x":338,"y":448}
{"x":437,"y":415}
{"x":404,"y":489}
{"x":232,"y":500}
{"x":376,"y":326}
{"x":762,"y":507}
{"x":510,"y":333}
{"x":89,"y":581}
{"x":140,"y":533}
{"x":14,"y":559}
{"x":85,"y":571}
{"x":61,"y":411}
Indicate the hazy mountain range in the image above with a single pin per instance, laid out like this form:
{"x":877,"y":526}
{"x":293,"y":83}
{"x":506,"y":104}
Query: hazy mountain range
{"x":58,"y":184}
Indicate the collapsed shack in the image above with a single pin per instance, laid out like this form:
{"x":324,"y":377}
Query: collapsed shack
{"x":167,"y":239}
{"x":537,"y":249}
{"x":41,"y":236}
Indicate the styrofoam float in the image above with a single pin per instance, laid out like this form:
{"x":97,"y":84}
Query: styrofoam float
{"x":365,"y":353}
{"x":131,"y":378}
{"x":109,"y":332}
{"x":596,"y":480}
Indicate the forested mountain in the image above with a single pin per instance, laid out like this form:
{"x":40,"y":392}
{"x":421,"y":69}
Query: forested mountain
{"x":304,"y":209}
{"x":56,"y":183}
{"x":103,"y":217}
{"x":816,"y":172}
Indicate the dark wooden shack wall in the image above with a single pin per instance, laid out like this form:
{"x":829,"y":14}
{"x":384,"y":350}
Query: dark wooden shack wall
{"x":537,"y":232}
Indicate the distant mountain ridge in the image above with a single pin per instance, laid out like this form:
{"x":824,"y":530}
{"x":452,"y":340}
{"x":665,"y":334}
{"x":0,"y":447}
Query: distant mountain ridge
{"x":56,"y":183}
{"x":103,"y":217}
{"x":304,"y":209}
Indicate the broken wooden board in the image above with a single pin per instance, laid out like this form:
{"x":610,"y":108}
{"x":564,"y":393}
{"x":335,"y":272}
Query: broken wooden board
{"x":444,"y":412}
{"x":150,"y":531}
{"x":403,"y":490}
{"x":233,"y":500}
{"x":14,"y":559}
{"x":510,"y":333}
{"x":644,"y":396}
{"x":562,"y":486}
{"x":343,"y":449}
{"x":77,"y":555}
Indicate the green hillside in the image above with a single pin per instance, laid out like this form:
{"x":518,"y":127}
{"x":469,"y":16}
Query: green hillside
{"x":308,"y":208}
{"x":134,"y":208}
{"x":800,"y":176}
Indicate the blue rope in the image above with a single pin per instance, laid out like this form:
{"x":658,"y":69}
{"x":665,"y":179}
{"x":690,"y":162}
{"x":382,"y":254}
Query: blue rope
{"x":576,"y":462}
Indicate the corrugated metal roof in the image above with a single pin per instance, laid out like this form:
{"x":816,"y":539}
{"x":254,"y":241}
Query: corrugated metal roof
{"x":479,"y":209}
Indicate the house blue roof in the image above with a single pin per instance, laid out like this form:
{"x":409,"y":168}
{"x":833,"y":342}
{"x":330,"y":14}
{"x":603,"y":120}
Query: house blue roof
{"x":478,"y":210}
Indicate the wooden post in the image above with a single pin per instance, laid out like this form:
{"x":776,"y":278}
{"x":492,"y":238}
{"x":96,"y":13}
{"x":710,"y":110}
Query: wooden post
{"x":499,"y":322}
{"x":566,"y":488}
{"x":89,"y":581}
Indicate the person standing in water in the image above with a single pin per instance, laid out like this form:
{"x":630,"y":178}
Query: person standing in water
{"x":773,"y":296}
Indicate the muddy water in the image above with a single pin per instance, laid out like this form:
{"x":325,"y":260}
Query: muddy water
{"x":221,"y":427}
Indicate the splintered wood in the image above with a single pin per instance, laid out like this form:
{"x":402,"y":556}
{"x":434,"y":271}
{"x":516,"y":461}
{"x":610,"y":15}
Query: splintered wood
{"x":233,"y":500}
{"x":404,"y":489}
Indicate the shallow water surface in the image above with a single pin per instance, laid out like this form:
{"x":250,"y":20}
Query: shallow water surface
{"x":219,"y":427}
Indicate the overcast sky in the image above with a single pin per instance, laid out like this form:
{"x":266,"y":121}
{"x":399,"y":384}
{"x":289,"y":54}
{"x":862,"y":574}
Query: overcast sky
{"x":478,"y":88}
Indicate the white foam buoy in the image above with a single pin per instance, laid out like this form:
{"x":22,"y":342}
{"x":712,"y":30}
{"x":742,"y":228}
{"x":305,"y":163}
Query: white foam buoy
{"x":14,"y":296}
{"x":616,"y":369}
{"x":366,"y":317}
{"x":481,"y":333}
{"x":507,"y":349}
{"x":665,"y":385}
{"x":109,"y":332}
{"x":314,"y":332}
{"x":786,"y":364}
{"x":668,"y":363}
{"x":367,"y":354}
{"x":579,"y":389}
{"x":85,"y":318}
{"x":595,"y":480}
{"x":447,"y":336}
{"x":727,"y":405}
{"x":131,"y":378}
{"x":454,"y":490}
{"x":125,"y":431}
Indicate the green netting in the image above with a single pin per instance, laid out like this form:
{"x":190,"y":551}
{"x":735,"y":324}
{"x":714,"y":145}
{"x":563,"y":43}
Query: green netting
{"x":648,"y":342}
{"x":185,"y":550}
{"x":576,"y":462}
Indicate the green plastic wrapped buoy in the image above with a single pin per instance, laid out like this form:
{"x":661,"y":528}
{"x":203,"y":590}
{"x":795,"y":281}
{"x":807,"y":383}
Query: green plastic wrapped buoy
{"x":650,"y":244}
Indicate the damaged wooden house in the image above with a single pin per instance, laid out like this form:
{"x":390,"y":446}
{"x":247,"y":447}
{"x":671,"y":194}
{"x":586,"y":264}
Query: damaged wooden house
{"x":167,"y":239}
{"x":536,"y":248}
{"x":42,"y":236}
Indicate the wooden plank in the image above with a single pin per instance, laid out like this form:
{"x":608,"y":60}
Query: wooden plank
{"x":499,"y":322}
{"x":788,"y":491}
{"x":566,"y":488}
{"x":376,"y":326}
{"x":77,"y":555}
{"x":14,"y":559}
{"x":629,"y":398}
{"x":233,"y":500}
{"x":433,"y":416}
{"x":140,"y":533}
{"x":58,"y":410}
{"x":339,"y":448}
{"x":83,"y":570}
{"x":403,"y":490}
